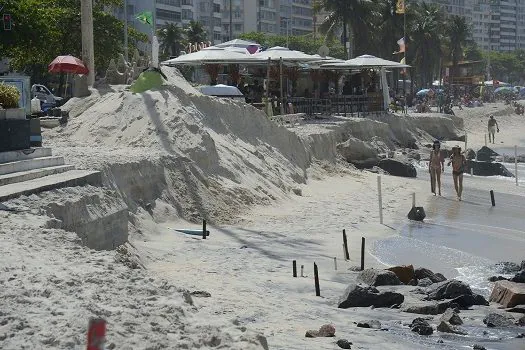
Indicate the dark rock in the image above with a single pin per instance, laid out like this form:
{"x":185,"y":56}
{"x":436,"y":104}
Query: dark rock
{"x":432,"y":309}
{"x":344,"y":344}
{"x":486,"y":154}
{"x":470,"y":154}
{"x":446,"y":327}
{"x":520,"y":336}
{"x":201,"y":294}
{"x":451,"y":317}
{"x":374,"y":277}
{"x":417,"y":214}
{"x":518,"y":309}
{"x":326,"y":330}
{"x":496,"y":278}
{"x":421,"y":327}
{"x":369,"y":324}
{"x":465,"y":301}
{"x":424,"y":282}
{"x":398,"y":168}
{"x":421,"y":273}
{"x":508,"y":293}
{"x":405,"y":273}
{"x":507,"y":267}
{"x":487,"y":169}
{"x":497,"y":320}
{"x":363,"y":296}
{"x":522,"y":265}
{"x":448,"y":290}
{"x":519,"y":277}
{"x":478,"y":347}
{"x":311,"y":334}
{"x":521,"y":321}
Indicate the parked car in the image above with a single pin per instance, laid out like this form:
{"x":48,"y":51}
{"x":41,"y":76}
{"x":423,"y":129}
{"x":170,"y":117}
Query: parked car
{"x":45,"y":96}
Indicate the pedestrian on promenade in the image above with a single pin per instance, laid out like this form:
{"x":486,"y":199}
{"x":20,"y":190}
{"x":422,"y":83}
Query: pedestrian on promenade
{"x":459,"y":162}
{"x":493,"y":126}
{"x":436,"y":166}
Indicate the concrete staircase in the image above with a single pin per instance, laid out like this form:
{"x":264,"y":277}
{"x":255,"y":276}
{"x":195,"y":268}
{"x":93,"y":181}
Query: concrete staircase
{"x":35,"y":170}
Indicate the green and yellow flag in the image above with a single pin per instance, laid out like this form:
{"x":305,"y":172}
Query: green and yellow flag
{"x":400,"y":7}
{"x":145,"y":17}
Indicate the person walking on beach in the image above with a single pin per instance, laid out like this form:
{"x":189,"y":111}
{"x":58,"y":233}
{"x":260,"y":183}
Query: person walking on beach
{"x":436,"y":166}
{"x":493,"y":126}
{"x":458,"y":161}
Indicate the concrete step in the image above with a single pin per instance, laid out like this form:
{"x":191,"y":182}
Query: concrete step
{"x":34,"y":152}
{"x":33,"y":174}
{"x":68,"y":179}
{"x":30,"y":164}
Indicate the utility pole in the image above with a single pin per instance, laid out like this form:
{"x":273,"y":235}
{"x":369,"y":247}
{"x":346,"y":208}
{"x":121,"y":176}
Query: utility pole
{"x":231,"y":21}
{"x":126,"y":54}
{"x":88,"y":52}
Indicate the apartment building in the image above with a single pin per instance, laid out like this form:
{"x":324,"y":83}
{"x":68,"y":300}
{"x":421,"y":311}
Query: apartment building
{"x":497,"y":25}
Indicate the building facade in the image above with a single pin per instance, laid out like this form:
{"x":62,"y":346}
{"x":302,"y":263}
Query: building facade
{"x":497,"y":25}
{"x":285,"y":17}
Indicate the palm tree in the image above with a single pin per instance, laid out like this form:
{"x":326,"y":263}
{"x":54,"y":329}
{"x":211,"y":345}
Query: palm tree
{"x":426,"y":40}
{"x":387,"y":29}
{"x":195,"y":32}
{"x":354,"y":14}
{"x":171,"y":38}
{"x":458,"y":33}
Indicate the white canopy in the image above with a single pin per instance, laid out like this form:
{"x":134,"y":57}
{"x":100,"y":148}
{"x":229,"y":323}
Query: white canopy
{"x":500,"y":83}
{"x":278,"y":52}
{"x":238,"y":43}
{"x":221,"y":90}
{"x":211,"y":55}
{"x":365,"y":61}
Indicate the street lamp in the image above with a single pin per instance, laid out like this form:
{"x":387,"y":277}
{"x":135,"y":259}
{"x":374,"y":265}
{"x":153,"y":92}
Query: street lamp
{"x":287,"y":21}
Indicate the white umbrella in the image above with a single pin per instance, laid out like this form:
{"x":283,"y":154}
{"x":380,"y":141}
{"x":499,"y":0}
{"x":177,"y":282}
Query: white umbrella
{"x":237,"y":43}
{"x":221,"y":90}
{"x":212,"y":55}
{"x":278,"y":52}
{"x":365,"y":61}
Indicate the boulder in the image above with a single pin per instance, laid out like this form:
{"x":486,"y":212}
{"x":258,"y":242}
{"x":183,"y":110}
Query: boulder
{"x":507,"y":267}
{"x":448,"y":290}
{"x":519,"y":277}
{"x":375,"y":277}
{"x":362,"y":296}
{"x":470,"y":154}
{"x":521,"y":321}
{"x":344,"y":344}
{"x":497,"y":278}
{"x":421,"y":273}
{"x":413,"y":154}
{"x":522,"y":265}
{"x":421,"y":327}
{"x":405,"y":273}
{"x":446,"y":327}
{"x":497,"y":320}
{"x":465,"y":301}
{"x":487,"y":169}
{"x":508,"y":293}
{"x":398,"y":168}
{"x":424,"y":282}
{"x":358,"y":152}
{"x":518,"y":309}
{"x":430,"y":309}
{"x":369,"y":324}
{"x":478,"y":347}
{"x":327,"y":330}
{"x":486,"y":154}
{"x":451,"y":317}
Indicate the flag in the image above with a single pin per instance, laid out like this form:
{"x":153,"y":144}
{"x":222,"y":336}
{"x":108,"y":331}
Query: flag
{"x":402,"y":46}
{"x":145,"y":17}
{"x":400,"y":7}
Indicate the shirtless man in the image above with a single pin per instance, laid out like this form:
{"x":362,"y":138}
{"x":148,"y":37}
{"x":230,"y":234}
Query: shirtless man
{"x":493,"y":126}
{"x":458,"y":167}
{"x":436,"y":166}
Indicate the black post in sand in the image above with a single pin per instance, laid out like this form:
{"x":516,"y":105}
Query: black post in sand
{"x":316,"y":279}
{"x":295,"y":268}
{"x":492,"y":198}
{"x":345,"y":244}
{"x":362,"y":253}
{"x":203,"y":229}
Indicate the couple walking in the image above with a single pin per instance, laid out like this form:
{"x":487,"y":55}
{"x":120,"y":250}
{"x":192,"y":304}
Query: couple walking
{"x":436,"y":166}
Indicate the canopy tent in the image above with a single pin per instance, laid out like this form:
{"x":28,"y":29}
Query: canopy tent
{"x":250,"y":46}
{"x":221,"y":90}
{"x":498,"y":83}
{"x":278,"y":52}
{"x":212,"y":55}
{"x":369,"y":61}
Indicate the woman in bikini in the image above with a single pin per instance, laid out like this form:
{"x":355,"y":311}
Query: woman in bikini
{"x":458,"y":166}
{"x":435,"y":167}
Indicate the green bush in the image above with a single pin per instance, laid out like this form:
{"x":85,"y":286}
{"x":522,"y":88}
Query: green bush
{"x":9,"y":96}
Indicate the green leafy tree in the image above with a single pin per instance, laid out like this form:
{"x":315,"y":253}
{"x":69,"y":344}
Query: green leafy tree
{"x":195,"y":32}
{"x":171,"y":39}
{"x":458,"y":32}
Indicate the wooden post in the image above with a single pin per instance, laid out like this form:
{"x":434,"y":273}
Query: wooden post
{"x":204,"y":229}
{"x":302,"y":270}
{"x":492,"y":198}
{"x":335,"y":263}
{"x":362,"y":253}
{"x":413,"y":199}
{"x":96,"y":334}
{"x":345,"y":245}
{"x":485,"y":139}
{"x":516,"y":163}
{"x":295,"y":269}
{"x":465,"y":142}
{"x":380,"y":199}
{"x":316,"y":280}
{"x":281,"y":84}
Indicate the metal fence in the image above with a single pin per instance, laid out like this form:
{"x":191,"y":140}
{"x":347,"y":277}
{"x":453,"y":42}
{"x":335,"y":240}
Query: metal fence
{"x":354,"y":105}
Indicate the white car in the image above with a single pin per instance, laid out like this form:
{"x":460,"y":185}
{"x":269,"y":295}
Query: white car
{"x":44,"y":95}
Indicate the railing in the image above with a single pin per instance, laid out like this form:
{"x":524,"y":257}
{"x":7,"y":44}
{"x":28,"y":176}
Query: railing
{"x":360,"y":105}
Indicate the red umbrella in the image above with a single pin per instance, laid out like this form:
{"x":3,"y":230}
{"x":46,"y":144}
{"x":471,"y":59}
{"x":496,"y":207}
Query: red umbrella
{"x":67,"y":64}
